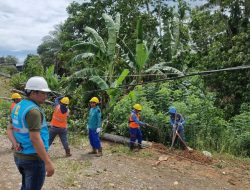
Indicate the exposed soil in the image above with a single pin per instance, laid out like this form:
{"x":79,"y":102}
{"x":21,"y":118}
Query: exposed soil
{"x":120,"y":169}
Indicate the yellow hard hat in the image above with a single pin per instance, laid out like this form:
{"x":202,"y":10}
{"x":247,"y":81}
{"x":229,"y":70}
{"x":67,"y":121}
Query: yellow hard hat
{"x":65,"y":100}
{"x":94,"y":99}
{"x":16,"y":96}
{"x":137,"y":107}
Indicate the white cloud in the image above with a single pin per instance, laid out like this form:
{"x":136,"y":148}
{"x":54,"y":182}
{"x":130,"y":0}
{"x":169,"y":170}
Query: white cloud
{"x":23,"y":23}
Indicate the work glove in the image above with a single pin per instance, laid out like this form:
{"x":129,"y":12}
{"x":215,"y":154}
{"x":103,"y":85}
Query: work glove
{"x":98,"y":130}
{"x":147,"y":125}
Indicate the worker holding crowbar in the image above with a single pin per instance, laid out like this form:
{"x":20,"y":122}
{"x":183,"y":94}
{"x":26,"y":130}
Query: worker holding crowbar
{"x":134,"y":127}
{"x":177,"y":121}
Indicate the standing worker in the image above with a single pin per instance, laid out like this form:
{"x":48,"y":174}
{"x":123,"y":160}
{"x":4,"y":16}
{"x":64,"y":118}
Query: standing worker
{"x":59,"y":123}
{"x":94,"y":127}
{"x":15,"y":99}
{"x":134,"y":127}
{"x":29,"y":132}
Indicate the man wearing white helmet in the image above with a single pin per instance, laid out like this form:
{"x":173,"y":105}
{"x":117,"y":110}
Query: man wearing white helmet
{"x":31,"y":135}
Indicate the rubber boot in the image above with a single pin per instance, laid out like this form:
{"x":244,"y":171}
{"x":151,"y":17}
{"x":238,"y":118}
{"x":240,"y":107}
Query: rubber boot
{"x":68,"y":154}
{"x":99,"y":153}
{"x":93,"y":151}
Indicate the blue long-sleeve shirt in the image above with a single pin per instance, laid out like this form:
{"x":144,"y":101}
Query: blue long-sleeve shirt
{"x":134,"y":118}
{"x":177,"y":120}
{"x":94,"y":119}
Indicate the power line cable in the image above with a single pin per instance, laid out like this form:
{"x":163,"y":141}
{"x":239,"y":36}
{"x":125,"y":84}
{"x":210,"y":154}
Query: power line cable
{"x":116,"y":76}
{"x":202,"y":73}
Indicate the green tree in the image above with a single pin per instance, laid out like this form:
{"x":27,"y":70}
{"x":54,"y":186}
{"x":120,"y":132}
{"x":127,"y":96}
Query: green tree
{"x":33,"y":66}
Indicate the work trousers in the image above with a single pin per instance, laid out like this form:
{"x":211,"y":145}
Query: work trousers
{"x":135,"y":134}
{"x":33,"y":173}
{"x":62,"y":132}
{"x":94,"y":139}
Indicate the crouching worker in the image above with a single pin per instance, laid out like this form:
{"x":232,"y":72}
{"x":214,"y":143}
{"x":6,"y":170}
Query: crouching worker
{"x":134,"y":127}
{"x":94,"y":127}
{"x":28,"y":131}
{"x":59,"y":123}
{"x":177,"y":123}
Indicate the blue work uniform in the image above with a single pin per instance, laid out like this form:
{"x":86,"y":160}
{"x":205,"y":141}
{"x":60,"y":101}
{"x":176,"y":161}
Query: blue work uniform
{"x":178,"y":121}
{"x":134,"y":128}
{"x":94,"y":122}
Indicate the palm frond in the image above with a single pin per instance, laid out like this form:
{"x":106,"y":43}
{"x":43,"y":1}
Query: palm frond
{"x":163,"y":68}
{"x":98,"y":39}
{"x":82,"y":56}
{"x":91,"y":47}
{"x":83,"y":74}
{"x":120,"y":79}
{"x":99,"y":82}
{"x":108,"y":20}
{"x":118,"y":22}
{"x":112,"y":32}
{"x":142,"y":55}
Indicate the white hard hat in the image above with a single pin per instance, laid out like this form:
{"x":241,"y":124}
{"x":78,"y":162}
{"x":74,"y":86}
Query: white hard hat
{"x":37,"y":83}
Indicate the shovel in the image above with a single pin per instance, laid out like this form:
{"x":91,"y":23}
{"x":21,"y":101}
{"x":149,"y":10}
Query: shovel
{"x":174,"y":136}
{"x":183,"y":142}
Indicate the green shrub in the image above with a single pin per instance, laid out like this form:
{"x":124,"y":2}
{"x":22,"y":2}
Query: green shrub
{"x":5,"y":115}
{"x":204,"y":126}
{"x":18,"y":81}
{"x":238,"y":141}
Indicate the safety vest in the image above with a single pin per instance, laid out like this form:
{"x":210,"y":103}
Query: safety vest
{"x":20,"y":127}
{"x":133,"y":124}
{"x":12,"y":106}
{"x":59,"y":119}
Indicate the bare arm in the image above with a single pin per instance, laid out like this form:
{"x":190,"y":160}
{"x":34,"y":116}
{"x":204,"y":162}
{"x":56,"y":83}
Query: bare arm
{"x":11,"y":136}
{"x":39,"y":146}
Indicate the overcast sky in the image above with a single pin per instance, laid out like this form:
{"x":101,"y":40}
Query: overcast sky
{"x":23,"y":23}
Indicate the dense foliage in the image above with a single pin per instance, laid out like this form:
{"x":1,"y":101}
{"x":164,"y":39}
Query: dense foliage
{"x":117,"y":49}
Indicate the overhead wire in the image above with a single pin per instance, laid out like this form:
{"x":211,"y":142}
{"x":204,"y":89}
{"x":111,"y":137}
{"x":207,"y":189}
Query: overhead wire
{"x":202,"y":73}
{"x":116,"y":76}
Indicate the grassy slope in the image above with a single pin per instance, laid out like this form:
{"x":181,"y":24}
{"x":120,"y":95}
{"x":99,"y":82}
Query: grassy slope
{"x":5,"y":87}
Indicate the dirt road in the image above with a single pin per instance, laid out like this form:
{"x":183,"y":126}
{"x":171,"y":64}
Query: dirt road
{"x":120,"y":169}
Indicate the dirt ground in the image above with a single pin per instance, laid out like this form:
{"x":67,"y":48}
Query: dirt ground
{"x":118,"y":168}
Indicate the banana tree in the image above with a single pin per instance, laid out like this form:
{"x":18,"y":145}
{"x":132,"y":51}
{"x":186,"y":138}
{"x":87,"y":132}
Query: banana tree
{"x":139,"y":62}
{"x":104,"y":56}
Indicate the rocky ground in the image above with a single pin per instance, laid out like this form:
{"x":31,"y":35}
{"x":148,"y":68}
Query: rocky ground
{"x":118,"y":168}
